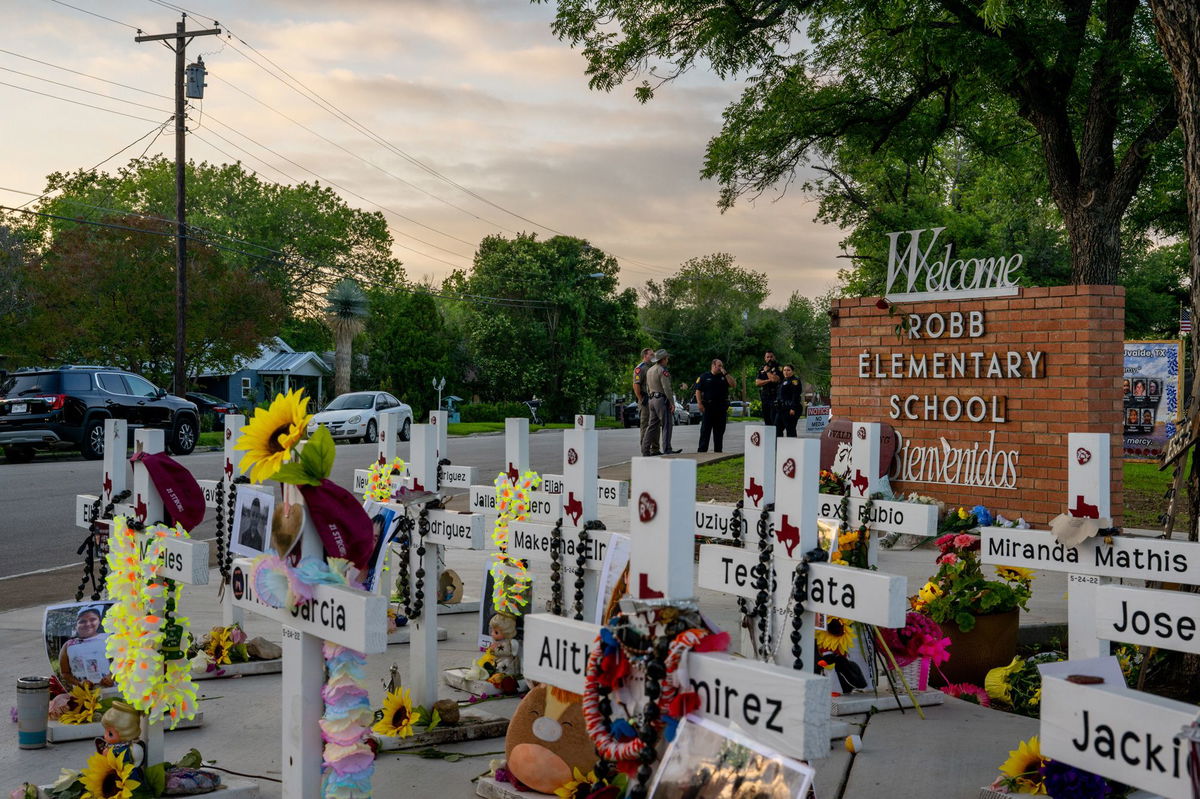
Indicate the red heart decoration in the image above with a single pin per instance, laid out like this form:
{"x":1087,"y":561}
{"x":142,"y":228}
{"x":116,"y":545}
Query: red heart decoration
{"x":647,"y":507}
{"x":755,"y":439}
{"x":1083,"y":456}
{"x":789,"y":467}
{"x":572,"y":456}
{"x":862,"y":433}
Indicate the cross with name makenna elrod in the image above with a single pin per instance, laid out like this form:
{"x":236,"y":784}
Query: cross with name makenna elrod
{"x":783,"y":709}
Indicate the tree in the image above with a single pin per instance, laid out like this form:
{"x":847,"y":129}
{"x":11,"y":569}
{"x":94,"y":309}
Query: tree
{"x":711,"y":308}
{"x":543,"y":318}
{"x":96,"y":296}
{"x":807,"y":324}
{"x":1082,"y":76}
{"x":345,"y":313}
{"x":408,"y":345}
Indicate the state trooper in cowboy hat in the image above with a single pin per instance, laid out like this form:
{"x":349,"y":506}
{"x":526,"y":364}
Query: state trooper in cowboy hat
{"x":661,"y":405}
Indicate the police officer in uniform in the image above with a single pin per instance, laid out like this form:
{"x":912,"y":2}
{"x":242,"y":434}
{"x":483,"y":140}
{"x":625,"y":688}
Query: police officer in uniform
{"x":768,"y":386}
{"x":662,"y":405}
{"x":643,"y":396}
{"x":712,"y":395}
{"x":790,"y":404}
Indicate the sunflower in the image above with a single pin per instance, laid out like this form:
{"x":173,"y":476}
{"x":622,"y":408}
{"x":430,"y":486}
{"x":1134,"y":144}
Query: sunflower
{"x":398,"y":717}
{"x":220,"y":646}
{"x":84,"y":702}
{"x":996,"y":681}
{"x":837,"y":636}
{"x":1023,"y":764}
{"x":578,"y":788}
{"x":271,"y":434}
{"x":107,"y":777}
{"x":1014,"y":574}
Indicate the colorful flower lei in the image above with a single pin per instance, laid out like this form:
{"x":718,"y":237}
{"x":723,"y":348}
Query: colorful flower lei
{"x":149,"y":681}
{"x":510,"y":577}
{"x":346,"y":726}
{"x":379,"y":479}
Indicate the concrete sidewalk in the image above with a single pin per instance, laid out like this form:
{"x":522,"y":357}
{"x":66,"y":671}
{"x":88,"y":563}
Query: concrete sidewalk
{"x":957,"y":749}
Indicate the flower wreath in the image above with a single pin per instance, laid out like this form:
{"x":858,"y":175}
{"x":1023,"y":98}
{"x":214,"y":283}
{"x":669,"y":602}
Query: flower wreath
{"x":668,"y":689}
{"x":510,"y":576}
{"x":153,"y":674}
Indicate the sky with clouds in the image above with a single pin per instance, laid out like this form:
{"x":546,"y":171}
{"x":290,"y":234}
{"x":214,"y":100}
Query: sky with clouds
{"x":481,"y":91}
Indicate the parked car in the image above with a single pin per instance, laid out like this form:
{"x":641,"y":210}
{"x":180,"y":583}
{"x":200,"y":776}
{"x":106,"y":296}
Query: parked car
{"x":66,"y":407}
{"x":694,"y":414}
{"x":209,"y":404}
{"x":355,"y":416}
{"x":739,"y":408}
{"x":633,"y":415}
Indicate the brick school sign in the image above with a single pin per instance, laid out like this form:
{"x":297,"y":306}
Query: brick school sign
{"x":983,"y":391}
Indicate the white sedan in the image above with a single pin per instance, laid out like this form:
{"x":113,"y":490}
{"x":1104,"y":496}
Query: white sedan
{"x":356,"y":416}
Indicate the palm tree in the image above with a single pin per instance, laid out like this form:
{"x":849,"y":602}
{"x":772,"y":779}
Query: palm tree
{"x":345,"y":310}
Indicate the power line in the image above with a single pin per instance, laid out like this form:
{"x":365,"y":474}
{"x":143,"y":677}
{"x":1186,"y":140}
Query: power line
{"x":100,"y":16}
{"x":84,"y":74}
{"x":77,"y":102}
{"x":76,"y":88}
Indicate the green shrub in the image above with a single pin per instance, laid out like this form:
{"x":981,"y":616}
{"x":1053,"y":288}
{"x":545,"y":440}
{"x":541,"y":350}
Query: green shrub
{"x":493,"y":411}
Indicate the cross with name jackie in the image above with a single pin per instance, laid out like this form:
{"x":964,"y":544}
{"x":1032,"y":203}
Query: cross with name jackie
{"x":1099,"y":724}
{"x":861,"y":595}
{"x":783,"y":709}
{"x":566,"y":537}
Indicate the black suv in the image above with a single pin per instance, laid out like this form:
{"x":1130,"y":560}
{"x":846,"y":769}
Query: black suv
{"x":45,"y":408}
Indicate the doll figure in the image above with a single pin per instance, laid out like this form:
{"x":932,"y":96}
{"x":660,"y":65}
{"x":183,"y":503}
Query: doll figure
{"x":504,"y":647}
{"x":122,"y":733}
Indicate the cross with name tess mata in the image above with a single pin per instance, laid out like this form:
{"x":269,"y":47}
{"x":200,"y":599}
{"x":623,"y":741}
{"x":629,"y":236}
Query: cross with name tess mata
{"x":857,"y":594}
{"x":783,"y":709}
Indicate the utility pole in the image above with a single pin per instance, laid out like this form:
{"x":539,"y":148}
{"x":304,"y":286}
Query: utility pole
{"x":181,"y":37}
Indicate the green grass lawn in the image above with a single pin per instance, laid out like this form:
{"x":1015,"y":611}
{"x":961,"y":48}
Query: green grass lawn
{"x":213,"y":439}
{"x":469,"y":428}
{"x":1144,"y":489}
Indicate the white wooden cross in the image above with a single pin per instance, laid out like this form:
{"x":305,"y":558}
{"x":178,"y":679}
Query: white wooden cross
{"x":614,"y":493}
{"x":543,"y":506}
{"x":230,"y":471}
{"x":862,"y":595}
{"x":1088,"y":496}
{"x":184,"y":560}
{"x":446,"y":529}
{"x":780,"y":708}
{"x":116,"y":479}
{"x":532,"y":540}
{"x":1107,"y":728}
{"x":338,"y":614}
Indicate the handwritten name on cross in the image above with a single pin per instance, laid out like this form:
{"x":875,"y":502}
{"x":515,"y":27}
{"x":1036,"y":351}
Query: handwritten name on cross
{"x":782,"y":709}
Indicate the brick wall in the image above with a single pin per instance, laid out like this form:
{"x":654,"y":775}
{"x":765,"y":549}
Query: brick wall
{"x":1079,"y":330}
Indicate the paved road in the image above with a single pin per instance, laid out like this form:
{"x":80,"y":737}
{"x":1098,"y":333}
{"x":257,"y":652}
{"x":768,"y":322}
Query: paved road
{"x":37,"y":500}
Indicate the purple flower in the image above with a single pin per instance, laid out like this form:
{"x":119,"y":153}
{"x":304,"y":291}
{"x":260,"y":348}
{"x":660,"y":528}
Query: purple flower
{"x":1064,"y":781}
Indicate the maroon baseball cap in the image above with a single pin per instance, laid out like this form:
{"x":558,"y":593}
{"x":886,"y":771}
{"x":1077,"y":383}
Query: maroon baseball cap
{"x":182,"y":497}
{"x":345,"y":528}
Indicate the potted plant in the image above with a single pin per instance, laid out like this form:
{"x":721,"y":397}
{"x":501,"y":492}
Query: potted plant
{"x":978,"y":613}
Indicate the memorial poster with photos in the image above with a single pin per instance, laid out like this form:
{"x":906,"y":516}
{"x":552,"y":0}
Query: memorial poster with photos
{"x":1152,"y":384}
{"x":709,"y":761}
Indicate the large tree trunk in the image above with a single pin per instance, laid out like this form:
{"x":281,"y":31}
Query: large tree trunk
{"x":1095,"y":236}
{"x":344,"y":340}
{"x":1178,"y":26}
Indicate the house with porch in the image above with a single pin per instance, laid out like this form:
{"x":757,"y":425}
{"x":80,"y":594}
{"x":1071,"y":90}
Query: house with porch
{"x":277,"y":368}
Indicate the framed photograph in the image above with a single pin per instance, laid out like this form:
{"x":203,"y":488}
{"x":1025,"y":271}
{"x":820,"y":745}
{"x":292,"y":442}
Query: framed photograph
{"x":252,"y":521}
{"x":385,"y":524}
{"x":75,"y":640}
{"x":709,"y":761}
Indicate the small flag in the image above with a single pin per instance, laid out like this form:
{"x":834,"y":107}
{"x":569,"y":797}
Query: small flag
{"x":1185,"y":321}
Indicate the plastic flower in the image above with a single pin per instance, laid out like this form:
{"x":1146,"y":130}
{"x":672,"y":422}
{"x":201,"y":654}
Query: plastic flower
{"x":107,"y":777}
{"x":1024,"y":764}
{"x":84,"y":702}
{"x":1061,"y":779}
{"x":268,"y":438}
{"x":966,"y":541}
{"x":929,"y":592}
{"x":962,"y":514}
{"x":968,"y":693}
{"x":578,"y":788}
{"x":996,"y":683}
{"x":220,"y":646}
{"x":838,"y":635}
{"x":983,"y":516}
{"x":398,"y":717}
{"x":1014,"y":574}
